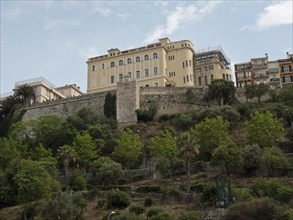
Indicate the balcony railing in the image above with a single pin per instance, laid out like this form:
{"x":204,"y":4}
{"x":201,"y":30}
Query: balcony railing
{"x":273,"y":70}
{"x":275,"y":80}
{"x":261,"y":76}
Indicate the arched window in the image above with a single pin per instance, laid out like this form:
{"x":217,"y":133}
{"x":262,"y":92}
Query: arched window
{"x":146,"y":57}
{"x":112,"y":64}
{"x":93,"y":68}
{"x":120,"y":62}
{"x":155,"y":55}
{"x":137,"y":59}
{"x":103,"y":66}
{"x":129,"y":61}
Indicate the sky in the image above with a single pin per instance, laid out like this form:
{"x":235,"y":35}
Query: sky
{"x":54,"y":38}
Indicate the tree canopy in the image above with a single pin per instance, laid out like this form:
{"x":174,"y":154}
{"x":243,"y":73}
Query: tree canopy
{"x":128,"y":148}
{"x":210,"y":134}
{"x":221,"y":91}
{"x":264,"y":129}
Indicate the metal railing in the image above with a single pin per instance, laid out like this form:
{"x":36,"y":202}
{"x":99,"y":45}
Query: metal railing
{"x":34,"y":80}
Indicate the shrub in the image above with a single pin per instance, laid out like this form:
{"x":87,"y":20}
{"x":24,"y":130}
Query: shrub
{"x":161,"y":216}
{"x":244,"y":109}
{"x":122,"y":181}
{"x":285,"y":194}
{"x":149,"y":189}
{"x":136,"y":209}
{"x":77,"y":181}
{"x":172,"y":193}
{"x":101,"y":203}
{"x":199,"y":186}
{"x":208,"y":194}
{"x":119,"y":199}
{"x":185,"y":120}
{"x":261,"y":209}
{"x":272,"y":188}
{"x":153,"y":211}
{"x":150,"y":113}
{"x":138,"y":177}
{"x":148,"y":201}
{"x":242,"y":194}
{"x":193,"y":215}
{"x":127,"y":216}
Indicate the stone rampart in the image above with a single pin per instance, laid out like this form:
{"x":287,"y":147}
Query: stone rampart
{"x":172,"y":99}
{"x":66,"y":107}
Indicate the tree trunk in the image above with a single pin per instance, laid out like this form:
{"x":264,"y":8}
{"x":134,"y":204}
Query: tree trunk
{"x":227,"y":169}
{"x":66,"y":179}
{"x":188,"y":176}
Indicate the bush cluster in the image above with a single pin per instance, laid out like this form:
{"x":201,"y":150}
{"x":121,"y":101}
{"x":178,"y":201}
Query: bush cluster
{"x":149,"y":189}
{"x":118,"y":199}
{"x":261,"y":209}
{"x":272,"y":188}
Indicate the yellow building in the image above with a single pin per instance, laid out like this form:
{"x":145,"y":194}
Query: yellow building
{"x":160,"y":64}
{"x":211,"y":64}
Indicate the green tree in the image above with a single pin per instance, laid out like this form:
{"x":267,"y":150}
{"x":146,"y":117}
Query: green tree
{"x":53,"y":131}
{"x":250,"y":91}
{"x":104,"y":137}
{"x":210,"y":134}
{"x":81,"y":119}
{"x":228,"y":155}
{"x":263,"y":129}
{"x":189,"y":149}
{"x":85,"y":149}
{"x":9,"y":113}
{"x":164,"y":148}
{"x":8,"y":152}
{"x":251,"y":157}
{"x":24,"y":92}
{"x":110,"y":105}
{"x":33,"y":182}
{"x":273,"y":158}
{"x":286,"y":94}
{"x":106,"y":171}
{"x":66,"y":154}
{"x":260,"y":90}
{"x":221,"y":91}
{"x":129,"y":148}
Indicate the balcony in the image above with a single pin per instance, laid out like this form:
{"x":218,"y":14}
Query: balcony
{"x":275,"y":80}
{"x":273,"y":70}
{"x":263,"y":65}
{"x":264,"y":75}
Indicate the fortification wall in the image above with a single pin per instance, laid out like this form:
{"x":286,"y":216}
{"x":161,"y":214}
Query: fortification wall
{"x":66,"y":107}
{"x":172,"y":99}
{"x":127,"y":102}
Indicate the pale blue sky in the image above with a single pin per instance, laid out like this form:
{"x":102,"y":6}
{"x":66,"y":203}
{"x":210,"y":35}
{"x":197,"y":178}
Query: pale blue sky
{"x":53,"y":39}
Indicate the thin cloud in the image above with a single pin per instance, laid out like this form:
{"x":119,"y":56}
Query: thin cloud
{"x":53,"y":24}
{"x":182,"y":15}
{"x":25,"y":7}
{"x":274,"y":15}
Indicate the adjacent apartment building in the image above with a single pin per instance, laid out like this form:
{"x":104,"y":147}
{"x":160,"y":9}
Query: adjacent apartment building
{"x":260,"y":70}
{"x":211,"y":64}
{"x":161,"y":64}
{"x":46,"y":91}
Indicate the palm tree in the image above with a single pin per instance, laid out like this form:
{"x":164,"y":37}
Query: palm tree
{"x":189,"y":149}
{"x":66,"y":154}
{"x":24,"y":92}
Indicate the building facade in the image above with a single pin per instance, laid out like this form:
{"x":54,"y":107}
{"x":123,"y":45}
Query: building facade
{"x":46,"y":91}
{"x":260,"y":70}
{"x":160,"y":64}
{"x":211,"y":64}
